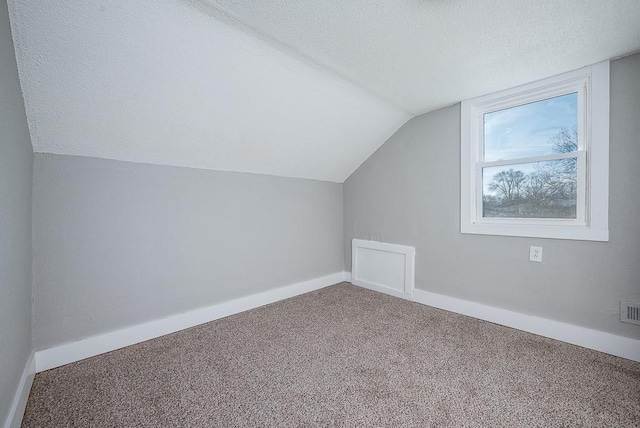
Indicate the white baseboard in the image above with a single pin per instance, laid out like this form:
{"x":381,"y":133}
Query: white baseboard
{"x":75,"y":351}
{"x":16,"y":411}
{"x":608,"y":343}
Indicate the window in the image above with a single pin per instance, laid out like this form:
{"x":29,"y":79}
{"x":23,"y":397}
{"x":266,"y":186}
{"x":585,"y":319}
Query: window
{"x":535,"y":159}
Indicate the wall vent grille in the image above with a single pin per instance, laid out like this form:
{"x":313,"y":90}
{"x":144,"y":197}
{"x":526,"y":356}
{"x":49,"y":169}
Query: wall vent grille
{"x":630,"y":312}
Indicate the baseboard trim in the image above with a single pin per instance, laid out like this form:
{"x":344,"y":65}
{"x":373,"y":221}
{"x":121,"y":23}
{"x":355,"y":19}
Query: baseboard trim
{"x":75,"y":351}
{"x":19,"y":403}
{"x":346,"y":276}
{"x":608,"y":343}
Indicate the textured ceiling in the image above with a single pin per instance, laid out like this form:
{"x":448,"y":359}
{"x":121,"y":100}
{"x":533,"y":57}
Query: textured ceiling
{"x":294,"y":88}
{"x":159,"y":81}
{"x":425,"y":54}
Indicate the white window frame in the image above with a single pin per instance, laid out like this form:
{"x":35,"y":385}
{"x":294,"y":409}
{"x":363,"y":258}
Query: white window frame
{"x":592,"y":219}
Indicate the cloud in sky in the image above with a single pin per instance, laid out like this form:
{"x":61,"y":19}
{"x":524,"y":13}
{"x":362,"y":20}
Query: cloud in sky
{"x":526,"y":130}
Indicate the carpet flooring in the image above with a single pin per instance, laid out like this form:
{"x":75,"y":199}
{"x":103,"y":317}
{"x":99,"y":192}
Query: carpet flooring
{"x":341,"y":356}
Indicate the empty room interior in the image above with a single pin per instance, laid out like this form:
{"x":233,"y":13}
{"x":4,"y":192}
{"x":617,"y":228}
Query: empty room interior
{"x":268,"y":213}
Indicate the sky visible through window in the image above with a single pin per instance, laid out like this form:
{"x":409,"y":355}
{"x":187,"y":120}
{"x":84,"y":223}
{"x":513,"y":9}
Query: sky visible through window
{"x":526,"y":130}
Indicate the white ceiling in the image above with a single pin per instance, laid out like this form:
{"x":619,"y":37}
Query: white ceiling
{"x":293,"y":88}
{"x":426,"y":54}
{"x":162,"y":82}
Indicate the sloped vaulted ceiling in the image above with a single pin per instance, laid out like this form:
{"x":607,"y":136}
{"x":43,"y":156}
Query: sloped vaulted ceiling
{"x":293,"y":88}
{"x":162,"y":82}
{"x":425,"y":54}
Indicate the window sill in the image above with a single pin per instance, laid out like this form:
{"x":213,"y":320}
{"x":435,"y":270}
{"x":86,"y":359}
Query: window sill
{"x":534,"y":231}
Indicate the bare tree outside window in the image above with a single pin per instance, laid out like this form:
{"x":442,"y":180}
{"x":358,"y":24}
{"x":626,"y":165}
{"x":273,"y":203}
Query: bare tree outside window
{"x":535,"y":190}
{"x":508,"y":184}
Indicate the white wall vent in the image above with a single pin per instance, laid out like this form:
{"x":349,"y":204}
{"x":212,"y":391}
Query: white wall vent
{"x":630,"y":312}
{"x":383,"y":267}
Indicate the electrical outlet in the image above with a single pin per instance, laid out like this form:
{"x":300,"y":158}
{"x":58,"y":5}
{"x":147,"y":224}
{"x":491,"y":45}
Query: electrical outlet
{"x":535,"y":254}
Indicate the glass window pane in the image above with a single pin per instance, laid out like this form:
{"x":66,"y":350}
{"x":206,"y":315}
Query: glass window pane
{"x":531,"y":190}
{"x":535,"y":129}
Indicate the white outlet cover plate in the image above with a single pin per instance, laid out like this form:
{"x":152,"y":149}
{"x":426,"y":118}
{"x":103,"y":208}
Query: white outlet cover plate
{"x":535,"y":254}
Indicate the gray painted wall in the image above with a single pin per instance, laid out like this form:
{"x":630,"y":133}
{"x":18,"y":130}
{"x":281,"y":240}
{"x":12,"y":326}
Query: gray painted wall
{"x":119,"y":243}
{"x":408,"y":192}
{"x":16,"y":172}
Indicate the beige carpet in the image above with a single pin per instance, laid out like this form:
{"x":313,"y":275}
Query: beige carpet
{"x":341,"y":356}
